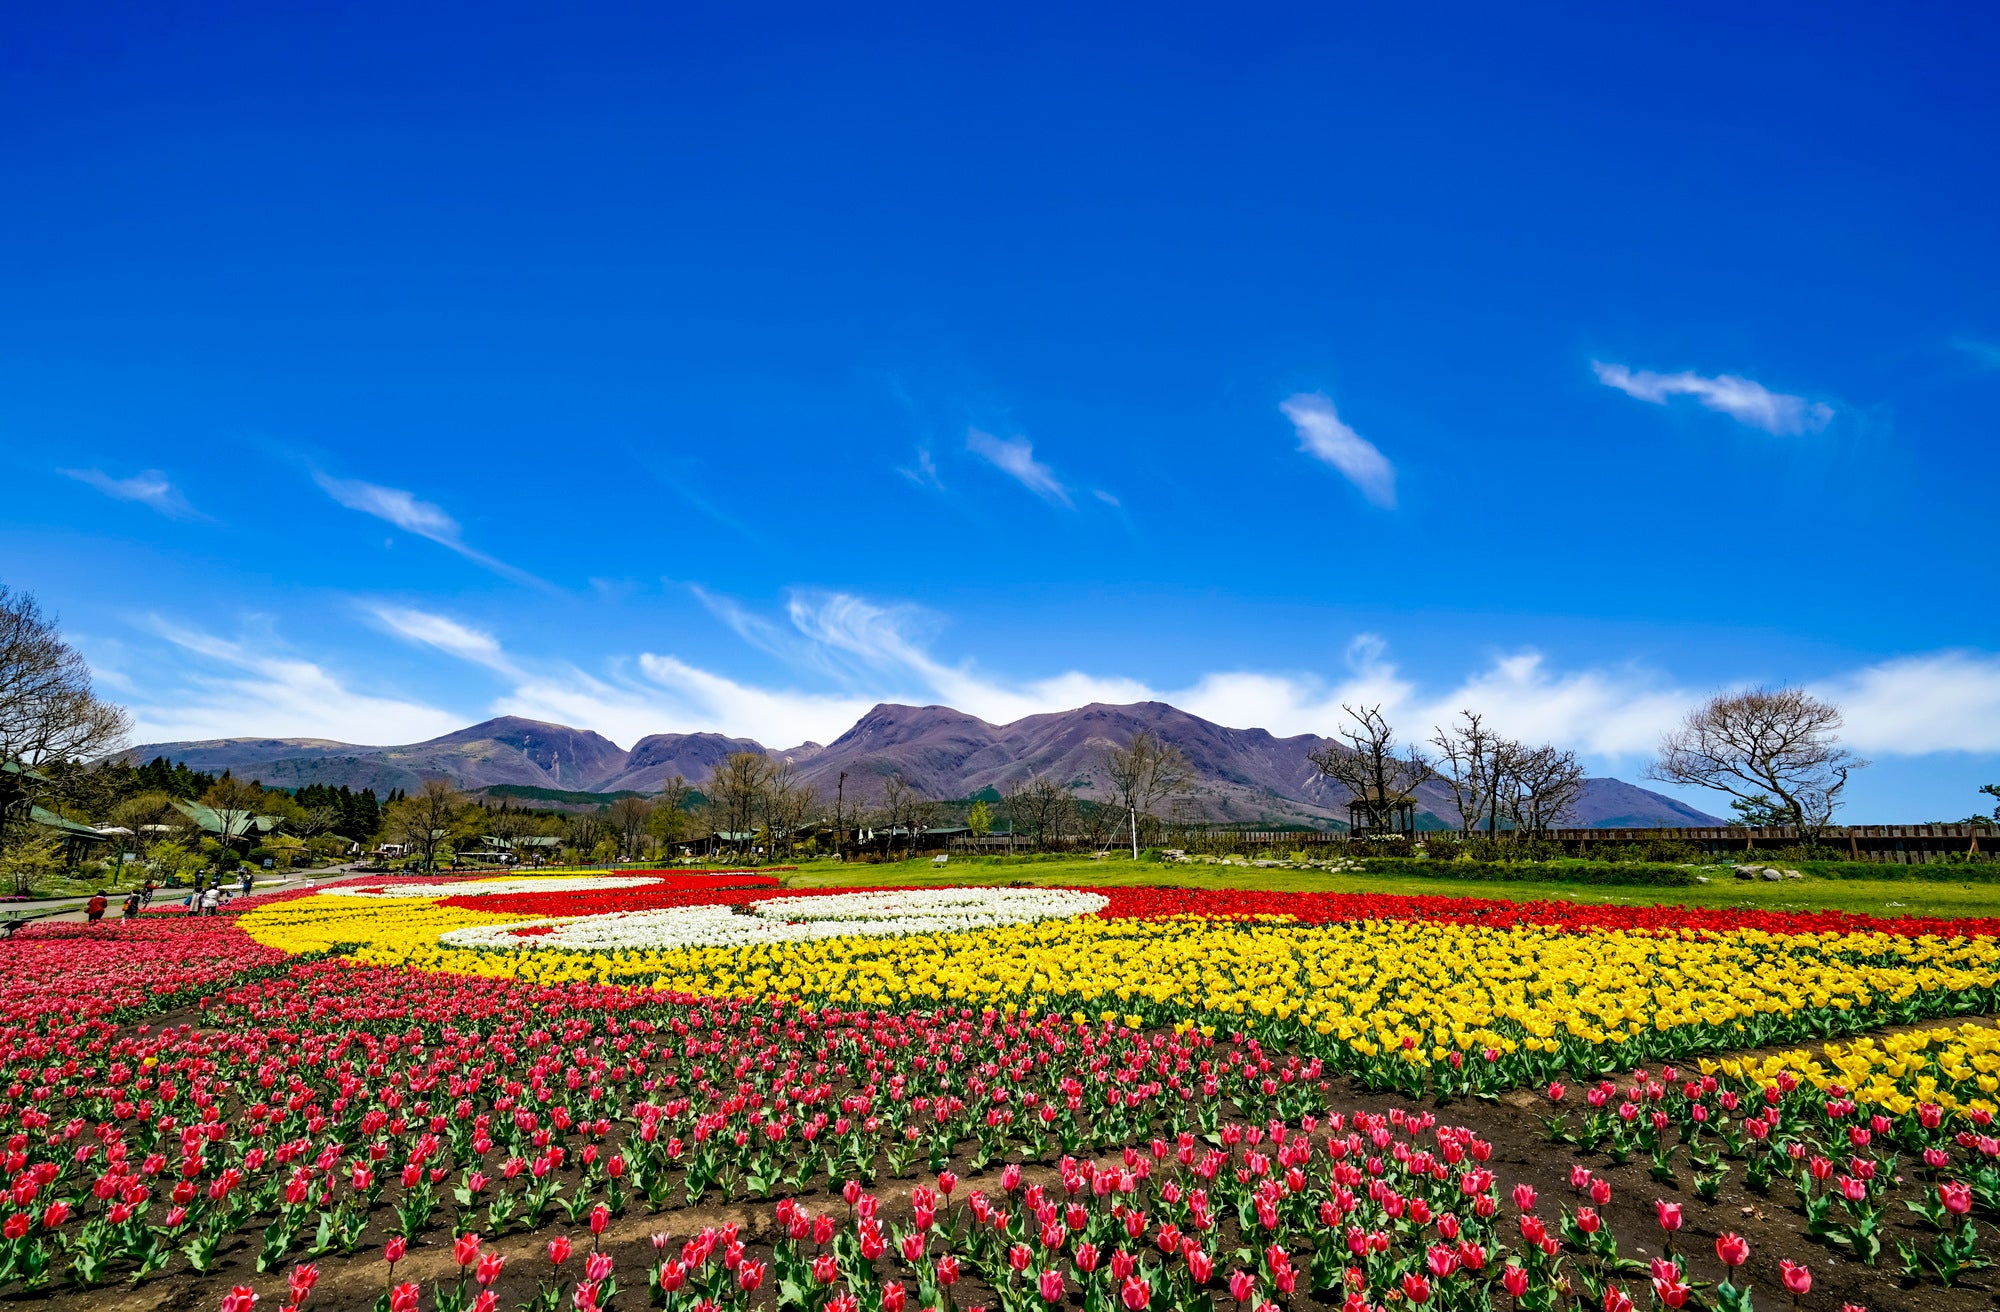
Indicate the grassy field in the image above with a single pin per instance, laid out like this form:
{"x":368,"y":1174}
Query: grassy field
{"x":1902,"y":897}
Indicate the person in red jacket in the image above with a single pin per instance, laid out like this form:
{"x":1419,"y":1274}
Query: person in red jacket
{"x":94,"y":909}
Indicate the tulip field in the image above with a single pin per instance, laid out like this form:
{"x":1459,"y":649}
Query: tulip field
{"x":708,"y":1092}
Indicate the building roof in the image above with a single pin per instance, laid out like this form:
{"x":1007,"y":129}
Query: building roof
{"x":206,"y":817}
{"x":68,"y":828}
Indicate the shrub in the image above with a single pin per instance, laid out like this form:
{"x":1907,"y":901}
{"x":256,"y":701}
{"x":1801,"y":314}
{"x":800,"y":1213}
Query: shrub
{"x":1936,"y":872}
{"x":1589,"y":872}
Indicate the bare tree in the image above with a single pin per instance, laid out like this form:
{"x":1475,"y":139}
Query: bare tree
{"x":584,"y":831}
{"x":423,"y":820}
{"x":312,"y":821}
{"x":1097,"y":824}
{"x":902,"y":807}
{"x":627,"y":817}
{"x":1367,"y":764}
{"x":508,"y":827}
{"x":736,"y":791}
{"x":1548,"y":783}
{"x":1040,"y":806}
{"x":235,"y":805}
{"x":49,"y":712}
{"x":1464,"y":764}
{"x":1144,"y":773}
{"x":1778,"y":746}
{"x":787,"y":806}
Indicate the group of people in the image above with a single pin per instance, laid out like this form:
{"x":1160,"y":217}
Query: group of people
{"x":207,"y":898}
{"x":136,"y":900}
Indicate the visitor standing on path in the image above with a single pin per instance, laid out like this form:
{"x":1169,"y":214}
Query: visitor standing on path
{"x":93,"y":910}
{"x":133,"y":901}
{"x":211,"y":901}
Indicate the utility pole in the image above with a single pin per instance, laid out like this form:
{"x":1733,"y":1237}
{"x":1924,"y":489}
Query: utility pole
{"x":839,"y":804}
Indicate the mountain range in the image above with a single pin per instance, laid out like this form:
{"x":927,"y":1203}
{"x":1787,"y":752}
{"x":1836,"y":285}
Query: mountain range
{"x":1241,"y":775}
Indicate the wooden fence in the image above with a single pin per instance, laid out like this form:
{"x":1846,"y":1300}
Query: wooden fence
{"x":1889,"y":844}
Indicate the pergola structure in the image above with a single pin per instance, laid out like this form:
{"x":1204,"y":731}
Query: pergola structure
{"x":1371,"y":815}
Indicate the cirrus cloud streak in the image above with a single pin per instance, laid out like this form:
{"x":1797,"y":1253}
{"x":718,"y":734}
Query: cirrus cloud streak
{"x":1743,"y":400}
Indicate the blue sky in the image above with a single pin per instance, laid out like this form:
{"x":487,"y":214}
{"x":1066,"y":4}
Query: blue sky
{"x":365,"y":373}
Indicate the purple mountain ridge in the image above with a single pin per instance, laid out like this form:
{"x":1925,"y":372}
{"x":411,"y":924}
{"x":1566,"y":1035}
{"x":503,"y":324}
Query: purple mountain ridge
{"x":1245,"y":776}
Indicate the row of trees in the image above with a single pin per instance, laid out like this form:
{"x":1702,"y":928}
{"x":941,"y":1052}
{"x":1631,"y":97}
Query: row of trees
{"x":1776,"y":754}
{"x":1491,"y":778}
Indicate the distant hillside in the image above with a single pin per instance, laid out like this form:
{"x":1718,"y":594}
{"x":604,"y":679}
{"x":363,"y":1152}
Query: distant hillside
{"x":1243,"y":776}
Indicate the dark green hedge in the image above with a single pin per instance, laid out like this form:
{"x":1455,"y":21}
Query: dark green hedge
{"x":1589,"y":872}
{"x":1935,"y":872}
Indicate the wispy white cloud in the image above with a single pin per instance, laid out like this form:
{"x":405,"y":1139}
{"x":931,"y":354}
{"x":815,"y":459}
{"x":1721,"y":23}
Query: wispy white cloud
{"x":407,"y":512}
{"x":872,"y":652}
{"x":1947,"y":701}
{"x":1324,"y":437}
{"x":1986,"y":353}
{"x":925,"y":472}
{"x":668,"y":695}
{"x":1605,"y":712}
{"x":1016,"y":456}
{"x":149,"y":488}
{"x":1743,"y":400}
{"x":444,"y":634}
{"x":242,"y":689}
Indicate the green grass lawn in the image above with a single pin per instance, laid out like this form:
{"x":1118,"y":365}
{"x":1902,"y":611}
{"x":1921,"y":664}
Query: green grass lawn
{"x":1902,"y":897}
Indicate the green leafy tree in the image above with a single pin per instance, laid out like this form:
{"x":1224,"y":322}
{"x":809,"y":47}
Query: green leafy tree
{"x":670,"y":822}
{"x":30,"y":861}
{"x":1756,"y":812}
{"x":979,"y":820}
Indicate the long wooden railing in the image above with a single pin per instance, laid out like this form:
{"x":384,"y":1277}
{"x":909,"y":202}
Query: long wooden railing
{"x":1891,"y":844}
